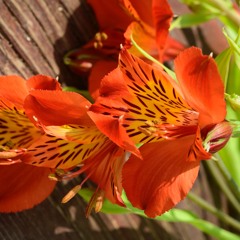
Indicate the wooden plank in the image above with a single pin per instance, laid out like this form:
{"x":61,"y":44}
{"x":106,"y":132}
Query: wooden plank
{"x":34,"y":36}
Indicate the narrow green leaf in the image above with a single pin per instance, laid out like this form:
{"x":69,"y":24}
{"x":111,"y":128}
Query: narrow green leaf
{"x":231,"y":152}
{"x":189,"y":20}
{"x":223,"y":62}
{"x":233,"y":83}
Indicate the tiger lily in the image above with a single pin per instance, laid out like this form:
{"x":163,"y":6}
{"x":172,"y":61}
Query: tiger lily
{"x":22,"y":186}
{"x":48,"y":133}
{"x":147,"y":21}
{"x":73,"y":145}
{"x":176,"y":125}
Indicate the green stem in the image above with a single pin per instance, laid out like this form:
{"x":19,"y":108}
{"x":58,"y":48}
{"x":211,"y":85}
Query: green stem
{"x":148,"y":56}
{"x":230,"y":13}
{"x":222,"y":184}
{"x":221,"y":215}
{"x":227,"y":176}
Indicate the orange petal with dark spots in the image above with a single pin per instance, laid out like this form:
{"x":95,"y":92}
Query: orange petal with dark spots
{"x":201,"y":85}
{"x":109,"y":108}
{"x":105,"y":169}
{"x":54,"y":152}
{"x":156,"y":101}
{"x":16,"y":130}
{"x":23,"y":187}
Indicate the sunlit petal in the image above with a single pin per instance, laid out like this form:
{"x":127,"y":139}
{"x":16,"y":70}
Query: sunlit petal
{"x":42,"y":82}
{"x":53,"y":152}
{"x":201,"y":85}
{"x":57,"y":108}
{"x":16,"y":130}
{"x":156,"y":100}
{"x":162,"y":178}
{"x":14,"y":89}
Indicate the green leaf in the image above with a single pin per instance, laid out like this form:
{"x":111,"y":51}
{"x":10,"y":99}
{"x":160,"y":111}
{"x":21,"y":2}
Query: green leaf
{"x":189,"y":20}
{"x":203,"y":6}
{"x":234,"y":101}
{"x":223,"y":62}
{"x":233,"y":85}
{"x":234,"y":43}
{"x":230,"y":153}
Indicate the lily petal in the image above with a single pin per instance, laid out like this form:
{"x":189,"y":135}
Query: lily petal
{"x":201,"y":85}
{"x":115,"y":15}
{"x":99,"y":70}
{"x":14,"y":89}
{"x":16,"y":130}
{"x":156,"y":101}
{"x":106,"y":112}
{"x":172,"y":49}
{"x":54,"y":152}
{"x":140,"y":10}
{"x":163,"y":177}
{"x":43,"y":82}
{"x":105,"y":170}
{"x":57,"y":108}
{"x":162,"y":17}
{"x":23,"y":186}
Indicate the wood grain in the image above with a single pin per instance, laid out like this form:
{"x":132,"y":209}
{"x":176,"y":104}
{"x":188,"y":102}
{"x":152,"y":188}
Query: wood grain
{"x":34,"y":36}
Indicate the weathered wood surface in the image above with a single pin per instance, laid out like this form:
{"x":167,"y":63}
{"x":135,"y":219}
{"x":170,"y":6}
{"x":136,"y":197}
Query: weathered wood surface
{"x":34,"y":36}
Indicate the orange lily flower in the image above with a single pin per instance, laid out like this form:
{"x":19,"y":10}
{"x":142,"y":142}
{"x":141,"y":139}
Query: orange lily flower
{"x":176,"y":125}
{"x":49,"y":131}
{"x":84,"y":149}
{"x":22,"y":186}
{"x":147,"y":21}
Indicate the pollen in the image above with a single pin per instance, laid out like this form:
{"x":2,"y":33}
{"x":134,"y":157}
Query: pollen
{"x":99,"y":38}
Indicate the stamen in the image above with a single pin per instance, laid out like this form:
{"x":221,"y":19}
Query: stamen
{"x":97,"y":45}
{"x":71,"y":193}
{"x":95,"y":202}
{"x":99,"y":201}
{"x":99,"y":38}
